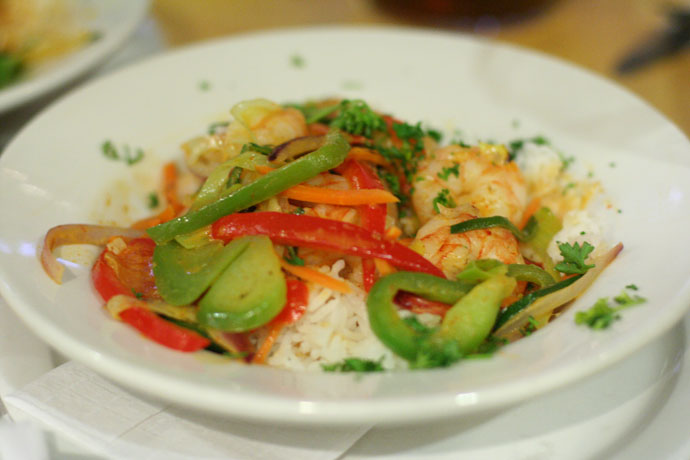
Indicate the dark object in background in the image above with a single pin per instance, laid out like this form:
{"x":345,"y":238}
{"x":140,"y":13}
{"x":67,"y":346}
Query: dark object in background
{"x":446,"y":9}
{"x":672,"y":39}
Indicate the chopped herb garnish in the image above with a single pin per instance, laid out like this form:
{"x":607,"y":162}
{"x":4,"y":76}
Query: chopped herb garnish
{"x":446,"y":172}
{"x":355,"y":365}
{"x":11,"y":67}
{"x":262,"y":149}
{"x":602,"y":314}
{"x":110,"y":151}
{"x":356,"y":117}
{"x":488,"y":347}
{"x":292,"y":258}
{"x":215,"y":127}
{"x":574,"y":258}
{"x":632,"y":287}
{"x":612,"y":164}
{"x":298,"y":211}
{"x":415,"y":324}
{"x":153,"y":200}
{"x":443,"y":198}
{"x":204,"y":85}
{"x":583,"y":232}
{"x":138,"y":295}
{"x":531,"y":326}
{"x":297,"y":61}
{"x":393,"y":183}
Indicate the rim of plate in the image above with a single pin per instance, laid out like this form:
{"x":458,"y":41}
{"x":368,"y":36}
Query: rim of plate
{"x":288,"y":410}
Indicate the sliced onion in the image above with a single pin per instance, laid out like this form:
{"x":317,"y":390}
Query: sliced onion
{"x":294,"y":148}
{"x":511,"y":329}
{"x":232,"y":342}
{"x":78,"y":234}
{"x":121,"y":302}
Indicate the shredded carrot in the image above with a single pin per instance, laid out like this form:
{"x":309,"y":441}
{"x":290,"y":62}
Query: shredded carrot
{"x":170,"y":177}
{"x":339,"y":197}
{"x":393,"y":233}
{"x":383,"y":267}
{"x":531,"y":208}
{"x":315,"y":276}
{"x":263,"y":169}
{"x":365,"y":154}
{"x":265,"y":348}
{"x":165,"y":215}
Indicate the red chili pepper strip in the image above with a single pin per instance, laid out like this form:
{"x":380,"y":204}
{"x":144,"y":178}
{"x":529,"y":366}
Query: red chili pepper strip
{"x":325,"y":234}
{"x":164,"y":332}
{"x":296,"y":305}
{"x":105,"y":281}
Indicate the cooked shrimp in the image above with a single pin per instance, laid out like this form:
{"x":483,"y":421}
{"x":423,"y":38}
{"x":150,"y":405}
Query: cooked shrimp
{"x":259,"y":121}
{"x":479,"y":176}
{"x":452,"y":252}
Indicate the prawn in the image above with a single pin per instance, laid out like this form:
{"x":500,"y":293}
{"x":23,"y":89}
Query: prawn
{"x":451,"y":252}
{"x":479,"y":176}
{"x":259,"y":121}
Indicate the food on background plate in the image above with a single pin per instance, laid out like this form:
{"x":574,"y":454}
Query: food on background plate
{"x":329,"y":236}
{"x":34,"y":31}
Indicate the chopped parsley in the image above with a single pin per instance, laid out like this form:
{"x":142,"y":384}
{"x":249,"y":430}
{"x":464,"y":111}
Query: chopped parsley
{"x":11,"y":67}
{"x":574,"y":258}
{"x":603,"y":313}
{"x":153,"y":200}
{"x":204,"y":85}
{"x":262,"y":149}
{"x":446,"y":172}
{"x":292,"y":258}
{"x":297,"y":61}
{"x":443,"y":198}
{"x":215,"y":127}
{"x":298,"y":211}
{"x":111,"y":152}
{"x":356,"y":117}
{"x":393,"y":183}
{"x":355,"y":365}
{"x":531,"y":326}
{"x":137,"y":294}
{"x":415,"y":324}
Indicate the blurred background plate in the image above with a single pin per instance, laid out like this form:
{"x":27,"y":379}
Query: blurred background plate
{"x":113,"y":21}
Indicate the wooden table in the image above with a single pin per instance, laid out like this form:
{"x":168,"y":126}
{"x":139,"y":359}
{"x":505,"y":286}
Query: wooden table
{"x":595,"y":34}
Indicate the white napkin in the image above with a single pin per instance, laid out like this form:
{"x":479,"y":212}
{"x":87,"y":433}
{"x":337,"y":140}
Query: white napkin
{"x":78,"y":403}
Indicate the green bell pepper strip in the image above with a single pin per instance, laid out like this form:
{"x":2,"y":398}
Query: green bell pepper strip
{"x":475,"y":309}
{"x":215,"y":186}
{"x":482,"y":269}
{"x":330,"y":155}
{"x":519,"y":305}
{"x":537,"y":234}
{"x":531,"y":274}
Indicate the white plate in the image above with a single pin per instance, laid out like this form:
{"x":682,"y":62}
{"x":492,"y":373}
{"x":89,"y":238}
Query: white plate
{"x":53,"y":172}
{"x":114,"y":20}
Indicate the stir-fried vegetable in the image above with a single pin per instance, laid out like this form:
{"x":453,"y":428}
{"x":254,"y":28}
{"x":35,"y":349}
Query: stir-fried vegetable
{"x":330,"y":155}
{"x":233,"y":266}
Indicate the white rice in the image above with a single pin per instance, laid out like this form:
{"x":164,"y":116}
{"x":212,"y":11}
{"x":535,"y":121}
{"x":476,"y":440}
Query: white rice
{"x":334,"y":327}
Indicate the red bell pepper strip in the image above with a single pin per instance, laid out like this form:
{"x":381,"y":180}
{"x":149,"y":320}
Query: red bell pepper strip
{"x":325,"y":234}
{"x":163,"y":332}
{"x":108,"y":285}
{"x":296,"y":305}
{"x":105,"y":281}
{"x":419,"y":305}
{"x":373,"y":216}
